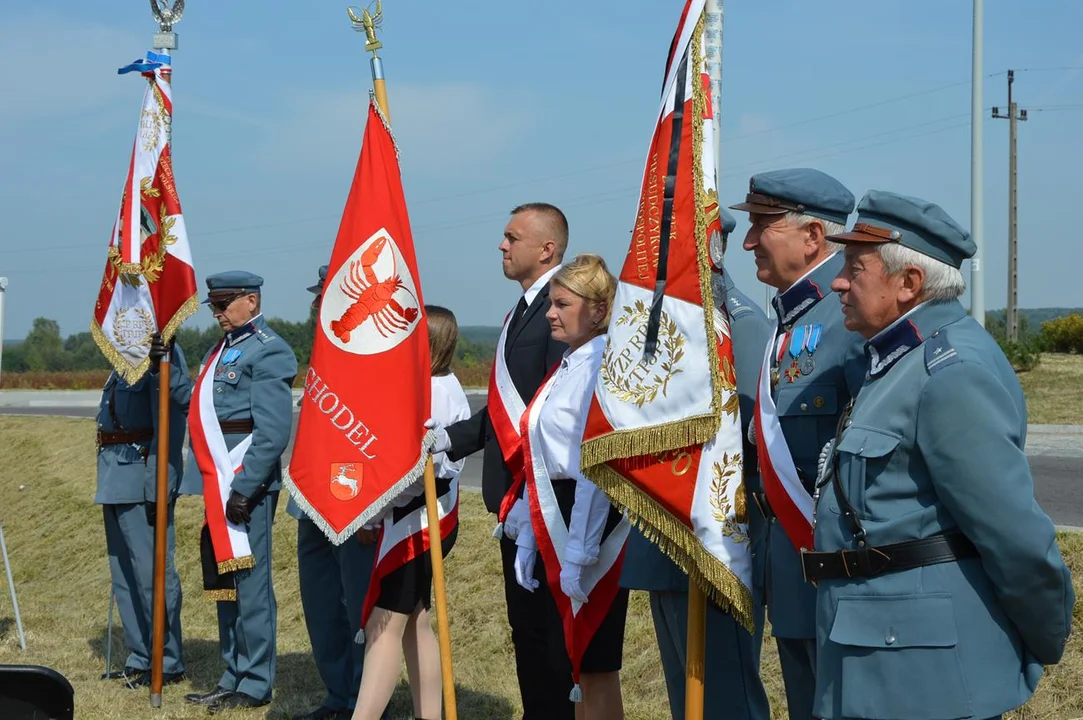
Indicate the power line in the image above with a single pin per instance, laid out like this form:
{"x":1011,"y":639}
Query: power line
{"x":558,"y":176}
{"x":850,"y":145}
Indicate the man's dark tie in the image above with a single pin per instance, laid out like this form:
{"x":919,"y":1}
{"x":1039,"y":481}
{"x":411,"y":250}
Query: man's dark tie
{"x":516,"y":318}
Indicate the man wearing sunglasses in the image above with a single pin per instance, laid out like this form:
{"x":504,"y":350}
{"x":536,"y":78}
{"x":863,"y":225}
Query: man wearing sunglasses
{"x":240,"y":424}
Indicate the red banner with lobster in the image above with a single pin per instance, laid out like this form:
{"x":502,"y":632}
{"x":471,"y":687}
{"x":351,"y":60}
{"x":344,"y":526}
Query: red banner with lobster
{"x":360,"y":438}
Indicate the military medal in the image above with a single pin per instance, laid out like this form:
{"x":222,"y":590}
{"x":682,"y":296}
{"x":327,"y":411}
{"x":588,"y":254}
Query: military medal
{"x":798,"y":336}
{"x":231,"y":356}
{"x":812,"y":341}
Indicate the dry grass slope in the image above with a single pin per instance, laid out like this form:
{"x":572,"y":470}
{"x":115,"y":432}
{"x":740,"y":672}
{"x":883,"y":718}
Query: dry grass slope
{"x":57,"y":549}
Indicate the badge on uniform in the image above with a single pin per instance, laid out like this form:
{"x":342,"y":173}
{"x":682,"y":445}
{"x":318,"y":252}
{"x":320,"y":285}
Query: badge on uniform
{"x":231,"y":356}
{"x":812,"y":341}
{"x":798,"y":337}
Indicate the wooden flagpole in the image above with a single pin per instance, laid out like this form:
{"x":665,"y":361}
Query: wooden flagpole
{"x":165,"y":40}
{"x":694,"y":652}
{"x":695,"y":662}
{"x":368,"y":22}
{"x":161,"y":501}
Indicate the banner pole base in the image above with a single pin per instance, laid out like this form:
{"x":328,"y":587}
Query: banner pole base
{"x":155,"y":700}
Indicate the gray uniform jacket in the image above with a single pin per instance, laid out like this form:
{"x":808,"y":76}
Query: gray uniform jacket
{"x":252,"y":381}
{"x":934,"y":445}
{"x":123,"y":474}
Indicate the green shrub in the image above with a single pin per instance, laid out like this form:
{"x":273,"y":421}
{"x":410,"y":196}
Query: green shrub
{"x":1064,"y":334}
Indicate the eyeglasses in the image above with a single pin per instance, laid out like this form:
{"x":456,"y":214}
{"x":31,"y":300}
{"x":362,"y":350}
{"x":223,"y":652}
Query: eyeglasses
{"x":221,"y":305}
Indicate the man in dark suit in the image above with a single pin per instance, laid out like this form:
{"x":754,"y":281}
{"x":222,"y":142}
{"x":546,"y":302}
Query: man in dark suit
{"x":535,"y":240}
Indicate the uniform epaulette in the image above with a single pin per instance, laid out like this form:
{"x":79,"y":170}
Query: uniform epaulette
{"x":264,"y":336}
{"x":736,"y":312}
{"x":939,"y":353}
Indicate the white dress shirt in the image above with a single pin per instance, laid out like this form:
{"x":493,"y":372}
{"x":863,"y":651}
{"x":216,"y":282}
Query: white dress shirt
{"x":558,"y":437}
{"x":533,"y":290}
{"x":448,"y":404}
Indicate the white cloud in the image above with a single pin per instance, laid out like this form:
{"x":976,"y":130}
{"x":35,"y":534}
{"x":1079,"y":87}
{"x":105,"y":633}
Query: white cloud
{"x":438,"y":126}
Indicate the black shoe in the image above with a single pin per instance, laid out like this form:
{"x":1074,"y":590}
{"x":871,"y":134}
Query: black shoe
{"x":236,"y":700}
{"x":127,"y":672}
{"x":142,"y":680}
{"x":325,"y":713}
{"x":207,"y":698}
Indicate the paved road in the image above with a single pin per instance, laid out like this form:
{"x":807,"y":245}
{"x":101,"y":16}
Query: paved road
{"x":1055,"y":452}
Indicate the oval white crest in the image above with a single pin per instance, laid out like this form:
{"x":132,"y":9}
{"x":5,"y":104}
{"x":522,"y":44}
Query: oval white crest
{"x":370,"y":304}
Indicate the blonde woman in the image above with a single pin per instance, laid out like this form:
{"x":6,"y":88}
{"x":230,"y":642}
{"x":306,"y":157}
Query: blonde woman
{"x":564,"y":521}
{"x":399,"y":624}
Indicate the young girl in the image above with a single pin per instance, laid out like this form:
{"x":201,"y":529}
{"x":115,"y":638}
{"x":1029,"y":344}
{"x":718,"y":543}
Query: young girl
{"x":570,"y":526}
{"x":399,"y":624}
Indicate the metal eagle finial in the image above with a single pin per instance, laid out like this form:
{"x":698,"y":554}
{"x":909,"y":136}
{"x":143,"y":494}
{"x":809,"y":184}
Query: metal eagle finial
{"x":166,"y":15}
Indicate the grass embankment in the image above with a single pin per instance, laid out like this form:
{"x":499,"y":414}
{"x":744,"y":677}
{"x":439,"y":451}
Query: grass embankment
{"x":57,"y":550}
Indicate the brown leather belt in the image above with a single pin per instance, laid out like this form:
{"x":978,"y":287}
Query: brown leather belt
{"x":236,"y":427}
{"x":124,"y":437}
{"x":872,"y":561}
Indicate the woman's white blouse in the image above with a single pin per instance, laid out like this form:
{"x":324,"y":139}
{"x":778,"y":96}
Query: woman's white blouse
{"x":557,"y":440}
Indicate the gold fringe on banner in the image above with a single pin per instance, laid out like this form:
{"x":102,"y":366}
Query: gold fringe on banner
{"x":241,"y":563}
{"x":636,"y":442}
{"x":678,"y":542}
{"x":220,"y":595}
{"x":703,"y":258}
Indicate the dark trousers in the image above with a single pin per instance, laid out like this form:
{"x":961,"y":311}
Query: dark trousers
{"x":544,"y":688}
{"x":334,"y":580}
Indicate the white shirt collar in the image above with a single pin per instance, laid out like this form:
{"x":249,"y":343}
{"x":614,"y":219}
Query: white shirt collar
{"x":583,"y":353}
{"x":533,"y":290}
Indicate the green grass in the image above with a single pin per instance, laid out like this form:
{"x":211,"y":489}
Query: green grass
{"x":57,"y":550}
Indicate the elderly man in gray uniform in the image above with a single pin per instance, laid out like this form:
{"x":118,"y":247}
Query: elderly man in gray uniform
{"x":252,"y":402}
{"x":941,"y":589}
{"x":127,"y":492}
{"x":334,"y":580}
{"x":814,"y":368}
{"x":733,"y":655}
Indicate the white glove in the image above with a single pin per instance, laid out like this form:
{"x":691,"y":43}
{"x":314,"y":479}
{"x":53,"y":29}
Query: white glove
{"x":571,"y":578}
{"x":518,"y":515}
{"x":443,"y":441}
{"x":524,"y":568}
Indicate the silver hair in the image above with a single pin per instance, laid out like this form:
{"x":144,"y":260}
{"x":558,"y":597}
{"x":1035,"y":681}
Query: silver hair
{"x":942,"y":281}
{"x":830,"y":228}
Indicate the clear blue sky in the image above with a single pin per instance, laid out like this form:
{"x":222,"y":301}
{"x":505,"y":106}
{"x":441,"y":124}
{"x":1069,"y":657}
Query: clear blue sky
{"x":499,"y":103}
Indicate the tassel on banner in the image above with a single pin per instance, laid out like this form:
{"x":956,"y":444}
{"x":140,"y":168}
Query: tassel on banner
{"x":359,"y":638}
{"x":498,"y":531}
{"x":576,"y":695}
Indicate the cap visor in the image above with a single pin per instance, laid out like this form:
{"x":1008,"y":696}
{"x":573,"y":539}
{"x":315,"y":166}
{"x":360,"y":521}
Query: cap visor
{"x":315,"y":289}
{"x":857,"y":237}
{"x":759,"y":209}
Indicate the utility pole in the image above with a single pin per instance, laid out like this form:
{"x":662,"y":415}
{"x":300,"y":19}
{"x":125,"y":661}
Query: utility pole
{"x":1011,"y":320}
{"x":977,"y":232}
{"x":3,"y":290}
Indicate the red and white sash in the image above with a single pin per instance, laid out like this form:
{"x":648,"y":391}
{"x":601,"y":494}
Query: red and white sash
{"x":402,"y":541}
{"x":506,"y":408}
{"x":790,"y":501}
{"x":218,"y":465}
{"x":600,"y":581}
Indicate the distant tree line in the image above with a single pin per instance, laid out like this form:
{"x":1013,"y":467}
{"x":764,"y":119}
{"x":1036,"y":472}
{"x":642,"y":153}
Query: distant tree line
{"x":44,"y":350}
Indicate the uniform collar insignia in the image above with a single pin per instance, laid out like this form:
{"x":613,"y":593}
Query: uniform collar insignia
{"x":891,"y":344}
{"x":800,"y":297}
{"x":235,"y":336}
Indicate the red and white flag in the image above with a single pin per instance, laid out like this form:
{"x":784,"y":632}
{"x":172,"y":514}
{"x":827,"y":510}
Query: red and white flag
{"x":149,"y":285}
{"x":663,"y":436}
{"x":360,"y":438}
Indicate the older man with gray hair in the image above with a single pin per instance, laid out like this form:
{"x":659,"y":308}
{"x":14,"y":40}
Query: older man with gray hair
{"x":814,"y":367}
{"x":941,"y":591}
